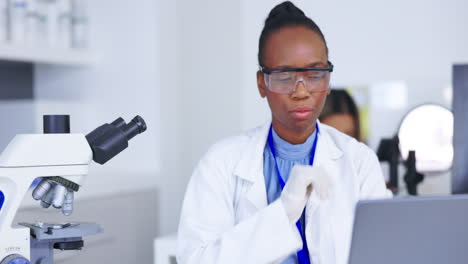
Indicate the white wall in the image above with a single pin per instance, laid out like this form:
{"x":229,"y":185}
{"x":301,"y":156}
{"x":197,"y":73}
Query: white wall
{"x":200,"y":90}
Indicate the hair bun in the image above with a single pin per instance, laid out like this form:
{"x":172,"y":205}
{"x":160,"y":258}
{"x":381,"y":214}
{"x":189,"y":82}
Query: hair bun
{"x":284,"y":15}
{"x":285,"y":9}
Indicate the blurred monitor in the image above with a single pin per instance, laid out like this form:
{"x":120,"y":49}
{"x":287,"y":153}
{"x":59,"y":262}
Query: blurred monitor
{"x":416,"y":230}
{"x":460,"y":137}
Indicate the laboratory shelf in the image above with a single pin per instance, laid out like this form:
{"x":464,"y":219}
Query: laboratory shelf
{"x":46,"y":55}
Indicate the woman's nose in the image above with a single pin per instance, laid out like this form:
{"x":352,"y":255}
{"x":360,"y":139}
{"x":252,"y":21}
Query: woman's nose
{"x":300,"y":90}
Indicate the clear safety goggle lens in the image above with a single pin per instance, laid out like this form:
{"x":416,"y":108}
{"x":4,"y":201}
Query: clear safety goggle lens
{"x":287,"y":82}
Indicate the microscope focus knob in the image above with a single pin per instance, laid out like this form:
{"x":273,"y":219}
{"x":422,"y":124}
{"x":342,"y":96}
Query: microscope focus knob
{"x":15,"y":259}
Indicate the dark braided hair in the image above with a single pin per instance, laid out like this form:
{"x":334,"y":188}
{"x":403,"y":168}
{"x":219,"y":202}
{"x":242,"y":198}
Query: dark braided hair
{"x":284,"y":15}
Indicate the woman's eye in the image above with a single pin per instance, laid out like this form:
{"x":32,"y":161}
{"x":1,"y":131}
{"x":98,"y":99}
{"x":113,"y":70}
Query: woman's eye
{"x":315,"y":76}
{"x":283,"y":77}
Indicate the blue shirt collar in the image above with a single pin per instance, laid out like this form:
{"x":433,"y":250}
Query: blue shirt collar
{"x":288,"y":151}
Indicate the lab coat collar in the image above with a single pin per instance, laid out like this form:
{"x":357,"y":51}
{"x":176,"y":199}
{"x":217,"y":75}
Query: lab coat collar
{"x":250,"y":167}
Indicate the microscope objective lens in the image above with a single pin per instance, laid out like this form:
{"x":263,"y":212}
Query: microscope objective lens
{"x":41,"y":189}
{"x":59,"y":196}
{"x":47,"y":199}
{"x":67,"y":207}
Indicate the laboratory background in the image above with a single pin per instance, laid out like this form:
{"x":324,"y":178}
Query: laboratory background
{"x":189,"y":69}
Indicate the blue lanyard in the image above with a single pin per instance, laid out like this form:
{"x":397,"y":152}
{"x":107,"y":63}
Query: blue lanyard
{"x":303,"y":254}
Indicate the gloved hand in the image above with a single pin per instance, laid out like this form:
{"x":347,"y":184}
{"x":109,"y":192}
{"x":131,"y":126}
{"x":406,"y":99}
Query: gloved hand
{"x":302,"y":181}
{"x":53,"y":193}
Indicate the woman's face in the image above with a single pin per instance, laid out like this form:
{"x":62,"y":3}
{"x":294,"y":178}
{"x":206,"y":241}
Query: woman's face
{"x":343,"y":122}
{"x":294,"y":47}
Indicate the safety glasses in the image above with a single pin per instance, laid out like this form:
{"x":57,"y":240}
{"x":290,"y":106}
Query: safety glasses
{"x":285,"y":81}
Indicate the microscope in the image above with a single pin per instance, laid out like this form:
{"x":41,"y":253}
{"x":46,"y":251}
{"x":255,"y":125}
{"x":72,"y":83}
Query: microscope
{"x":61,"y":160}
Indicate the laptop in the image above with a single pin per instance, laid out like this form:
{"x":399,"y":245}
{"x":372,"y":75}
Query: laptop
{"x":416,"y":230}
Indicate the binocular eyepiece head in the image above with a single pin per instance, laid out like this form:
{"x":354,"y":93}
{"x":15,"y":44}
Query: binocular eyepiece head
{"x":109,"y":140}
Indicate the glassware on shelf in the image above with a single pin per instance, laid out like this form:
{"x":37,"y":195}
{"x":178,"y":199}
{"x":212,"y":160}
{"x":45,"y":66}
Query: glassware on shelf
{"x":60,"y":24}
{"x":79,"y":24}
{"x":17,"y":23}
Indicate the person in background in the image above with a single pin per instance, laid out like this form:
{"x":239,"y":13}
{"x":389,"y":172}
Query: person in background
{"x":340,"y":111}
{"x":285,"y":191}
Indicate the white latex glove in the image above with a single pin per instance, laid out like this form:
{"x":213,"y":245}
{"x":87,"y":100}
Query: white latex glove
{"x":302,"y":181}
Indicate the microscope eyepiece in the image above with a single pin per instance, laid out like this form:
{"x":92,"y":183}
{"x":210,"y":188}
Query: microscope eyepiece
{"x":109,"y":140}
{"x":119,"y":122}
{"x":135,"y":127}
{"x":54,"y":124}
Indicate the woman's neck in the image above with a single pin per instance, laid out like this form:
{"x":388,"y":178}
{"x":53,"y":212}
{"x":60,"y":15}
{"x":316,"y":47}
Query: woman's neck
{"x":293,"y":136}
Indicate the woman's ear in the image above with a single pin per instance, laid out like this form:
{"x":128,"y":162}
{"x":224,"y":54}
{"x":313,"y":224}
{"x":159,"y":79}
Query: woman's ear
{"x":261,"y":84}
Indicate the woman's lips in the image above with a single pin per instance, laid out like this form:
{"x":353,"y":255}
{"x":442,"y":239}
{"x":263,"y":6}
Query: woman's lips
{"x":301,"y":112}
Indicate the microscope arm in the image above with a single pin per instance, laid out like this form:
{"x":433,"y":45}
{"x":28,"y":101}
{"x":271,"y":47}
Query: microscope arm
{"x":30,"y":156}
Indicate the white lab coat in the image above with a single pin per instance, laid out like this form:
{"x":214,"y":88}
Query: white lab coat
{"x":226,"y":218}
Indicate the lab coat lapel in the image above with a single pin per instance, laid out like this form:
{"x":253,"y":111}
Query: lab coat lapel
{"x":325,"y":156}
{"x":250,"y":167}
{"x":321,"y":237}
{"x":319,"y":225}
